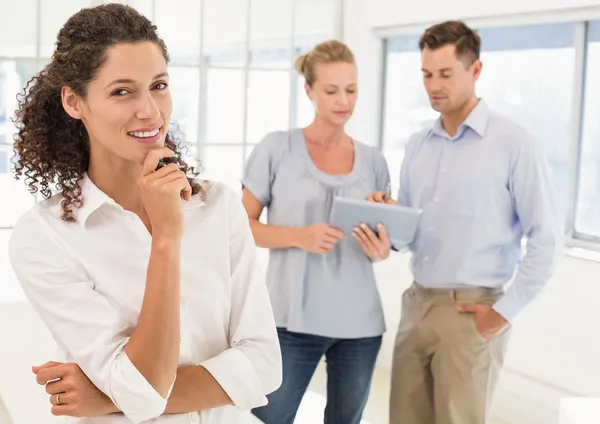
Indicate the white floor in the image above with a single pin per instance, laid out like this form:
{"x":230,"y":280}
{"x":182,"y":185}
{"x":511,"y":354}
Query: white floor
{"x":313,"y":404}
{"x":376,"y":412}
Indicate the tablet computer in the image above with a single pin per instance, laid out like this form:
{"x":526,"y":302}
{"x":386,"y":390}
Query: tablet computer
{"x":401,"y":222}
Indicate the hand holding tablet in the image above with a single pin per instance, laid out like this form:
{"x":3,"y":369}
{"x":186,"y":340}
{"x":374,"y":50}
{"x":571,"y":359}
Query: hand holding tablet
{"x":401,"y":222}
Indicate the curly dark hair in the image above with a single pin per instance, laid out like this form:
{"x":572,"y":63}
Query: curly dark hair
{"x":51,"y":148}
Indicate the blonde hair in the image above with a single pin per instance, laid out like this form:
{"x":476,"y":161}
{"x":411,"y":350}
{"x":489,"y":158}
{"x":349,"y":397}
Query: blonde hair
{"x":326,"y":52}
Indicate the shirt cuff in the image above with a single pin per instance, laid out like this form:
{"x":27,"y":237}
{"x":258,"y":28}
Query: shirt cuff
{"x":237,"y":377}
{"x":508,"y":308}
{"x":133,"y":394}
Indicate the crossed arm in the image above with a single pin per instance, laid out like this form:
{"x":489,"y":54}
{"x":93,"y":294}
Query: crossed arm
{"x":195,"y":389}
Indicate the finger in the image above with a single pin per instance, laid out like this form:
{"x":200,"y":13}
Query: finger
{"x":327,"y":245}
{"x":331,"y":238}
{"x":182,"y":184}
{"x":378,"y":197}
{"x":63,"y":410}
{"x":55,"y":387}
{"x":364,"y":236}
{"x":55,"y":397}
{"x":377,"y":248}
{"x":152,"y":158}
{"x":186,"y":193}
{"x":364,"y":241}
{"x":335,"y":232}
{"x":164,"y":171}
{"x":360,"y":233}
{"x":371,"y":236}
{"x":37,"y":368}
{"x":469,"y":308}
{"x":50,"y":374}
{"x":172,"y":177}
{"x":383,"y":235}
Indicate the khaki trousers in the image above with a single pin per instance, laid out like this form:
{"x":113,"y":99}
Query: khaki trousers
{"x":444,"y":371}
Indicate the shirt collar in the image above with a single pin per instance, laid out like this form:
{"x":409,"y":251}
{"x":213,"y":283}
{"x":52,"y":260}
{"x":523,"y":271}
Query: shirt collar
{"x":477,"y":121}
{"x":94,"y":199}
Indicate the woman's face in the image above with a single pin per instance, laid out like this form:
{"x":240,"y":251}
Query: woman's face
{"x":127,"y":107}
{"x":334,"y":91}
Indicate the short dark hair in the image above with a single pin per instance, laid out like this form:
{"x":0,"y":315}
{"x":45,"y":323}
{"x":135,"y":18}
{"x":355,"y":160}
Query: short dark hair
{"x":456,"y":33}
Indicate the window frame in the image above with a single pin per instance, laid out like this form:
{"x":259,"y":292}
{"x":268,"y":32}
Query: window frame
{"x":580,"y":18}
{"x":203,"y":65}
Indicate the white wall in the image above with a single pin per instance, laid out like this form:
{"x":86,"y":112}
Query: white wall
{"x":554,"y":350}
{"x":382,"y":13}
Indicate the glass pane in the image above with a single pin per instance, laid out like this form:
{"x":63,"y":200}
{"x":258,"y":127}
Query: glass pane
{"x":223,"y":163}
{"x":14,"y":75}
{"x":529,"y":93}
{"x":15,"y":193}
{"x":249,"y":148}
{"x":184,"y":46}
{"x":54,"y":15}
{"x":314,"y":22}
{"x":184,"y":85}
{"x":268,"y":103}
{"x":225,"y":32}
{"x":270,"y":33}
{"x":407,"y":107}
{"x":587,"y":217}
{"x":304,"y":113}
{"x":18,"y":35}
{"x":224,"y":106}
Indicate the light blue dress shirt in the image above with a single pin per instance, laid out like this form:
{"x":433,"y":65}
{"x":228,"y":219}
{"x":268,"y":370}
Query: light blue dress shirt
{"x":333,"y":294}
{"x":481,"y":192}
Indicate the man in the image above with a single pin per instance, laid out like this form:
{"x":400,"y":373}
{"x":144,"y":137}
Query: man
{"x":483,"y":184}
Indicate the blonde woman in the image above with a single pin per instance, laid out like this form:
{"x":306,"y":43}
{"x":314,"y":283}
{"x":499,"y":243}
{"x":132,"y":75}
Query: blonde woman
{"x":321,"y":281}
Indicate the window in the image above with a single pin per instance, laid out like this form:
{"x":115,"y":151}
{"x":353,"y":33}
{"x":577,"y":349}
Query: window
{"x":17,"y":39}
{"x":13,"y":77}
{"x":231,"y":79}
{"x":270,"y":39}
{"x":54,"y":15}
{"x":407,"y":108}
{"x":184,"y":46}
{"x":224,"y":163}
{"x":587,"y":217}
{"x":231,"y":73}
{"x":225,"y":106}
{"x":184,"y":84}
{"x":250,"y":85}
{"x":538,"y":92}
{"x":528,"y":75}
{"x":268,"y":103}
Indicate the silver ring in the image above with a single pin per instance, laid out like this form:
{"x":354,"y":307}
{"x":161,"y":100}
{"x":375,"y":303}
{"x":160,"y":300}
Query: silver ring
{"x":58,"y":402}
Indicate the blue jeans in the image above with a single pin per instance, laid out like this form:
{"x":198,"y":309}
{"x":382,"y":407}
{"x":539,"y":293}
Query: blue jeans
{"x":350,"y":364}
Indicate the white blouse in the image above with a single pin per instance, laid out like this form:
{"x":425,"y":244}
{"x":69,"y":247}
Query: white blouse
{"x":86,"y":280}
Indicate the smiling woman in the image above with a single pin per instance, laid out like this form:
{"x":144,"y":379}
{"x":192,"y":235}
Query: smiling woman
{"x":149,"y":285}
{"x":113,"y":96}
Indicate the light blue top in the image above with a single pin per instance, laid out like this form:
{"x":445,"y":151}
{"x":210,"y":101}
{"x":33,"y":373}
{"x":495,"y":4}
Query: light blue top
{"x":333,"y":294}
{"x":481,"y":191}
